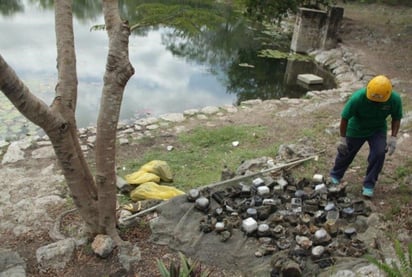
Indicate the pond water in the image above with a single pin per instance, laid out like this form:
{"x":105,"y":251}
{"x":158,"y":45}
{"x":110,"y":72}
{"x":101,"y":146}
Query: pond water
{"x":173,"y":71}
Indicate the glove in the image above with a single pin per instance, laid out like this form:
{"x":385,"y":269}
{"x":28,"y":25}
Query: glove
{"x":391,"y":146}
{"x":343,"y":146}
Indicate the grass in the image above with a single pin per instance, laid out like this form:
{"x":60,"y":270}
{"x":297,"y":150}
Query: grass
{"x":404,"y":170}
{"x":200,"y":155}
{"x":403,"y":191}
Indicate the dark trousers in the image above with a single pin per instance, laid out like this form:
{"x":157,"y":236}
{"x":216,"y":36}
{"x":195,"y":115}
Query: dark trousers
{"x":376,"y":158}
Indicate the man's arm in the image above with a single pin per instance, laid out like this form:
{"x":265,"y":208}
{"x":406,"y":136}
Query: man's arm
{"x":343,"y":126}
{"x":395,"y":125}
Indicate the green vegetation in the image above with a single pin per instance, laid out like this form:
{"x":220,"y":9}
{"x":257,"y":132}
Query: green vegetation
{"x":403,"y":171}
{"x":401,"y":269}
{"x":186,"y":268}
{"x":276,"y":10}
{"x":276,"y":54}
{"x":200,"y":155}
{"x":403,"y":191}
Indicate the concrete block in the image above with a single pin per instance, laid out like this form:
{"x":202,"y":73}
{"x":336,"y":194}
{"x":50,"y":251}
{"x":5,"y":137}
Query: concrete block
{"x":310,"y":79}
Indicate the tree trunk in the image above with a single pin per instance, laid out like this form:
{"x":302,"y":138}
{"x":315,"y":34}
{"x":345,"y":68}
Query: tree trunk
{"x":118,"y":72}
{"x":95,"y":199}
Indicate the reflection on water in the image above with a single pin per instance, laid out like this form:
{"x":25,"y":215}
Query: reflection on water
{"x":172,"y":74}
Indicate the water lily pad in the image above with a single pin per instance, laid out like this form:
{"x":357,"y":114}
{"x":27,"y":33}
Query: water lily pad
{"x":276,"y":54}
{"x":246,"y":65}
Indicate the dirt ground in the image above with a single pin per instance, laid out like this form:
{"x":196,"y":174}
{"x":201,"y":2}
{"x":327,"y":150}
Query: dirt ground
{"x":381,"y":36}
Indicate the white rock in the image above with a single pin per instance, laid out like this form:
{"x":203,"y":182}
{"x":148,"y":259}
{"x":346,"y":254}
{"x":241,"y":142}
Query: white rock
{"x":201,"y":116}
{"x":103,"y":245}
{"x":209,"y":110}
{"x":191,"y":112}
{"x":91,"y":139}
{"x":14,"y":153}
{"x":152,"y":127}
{"x":230,"y":108}
{"x":3,"y":143}
{"x":251,"y":102}
{"x":56,"y":255}
{"x":123,"y":141}
{"x":43,"y":153}
{"x":147,"y":121}
{"x":173,"y":117}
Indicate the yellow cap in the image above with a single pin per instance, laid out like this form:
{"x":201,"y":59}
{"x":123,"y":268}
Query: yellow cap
{"x":379,"y":89}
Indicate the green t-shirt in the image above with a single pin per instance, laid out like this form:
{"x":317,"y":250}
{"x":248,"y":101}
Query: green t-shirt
{"x":366,"y":117}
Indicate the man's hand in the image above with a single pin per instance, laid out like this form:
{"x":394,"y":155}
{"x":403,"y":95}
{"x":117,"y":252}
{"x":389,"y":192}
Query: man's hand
{"x":343,"y":146}
{"x":391,"y":146}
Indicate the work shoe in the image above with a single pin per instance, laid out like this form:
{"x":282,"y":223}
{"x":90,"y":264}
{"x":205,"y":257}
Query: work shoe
{"x":367,"y":192}
{"x":334,"y":181}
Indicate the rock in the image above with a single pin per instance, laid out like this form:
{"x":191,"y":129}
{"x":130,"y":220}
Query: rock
{"x":152,"y":127}
{"x":123,"y":141}
{"x":103,"y":245}
{"x":91,"y":139}
{"x":147,"y":121}
{"x":230,"y":108}
{"x":201,"y":117}
{"x":14,"y":153}
{"x":251,"y":165}
{"x":129,"y":254}
{"x":180,"y":129}
{"x":235,"y":143}
{"x":43,"y":153}
{"x":209,"y":110}
{"x":251,"y":102}
{"x":369,"y":270}
{"x":173,"y":117}
{"x":11,"y":264}
{"x":122,"y":216}
{"x":3,"y":143}
{"x":191,"y":112}
{"x":56,"y":255}
{"x":344,"y":273}
{"x":374,"y":220}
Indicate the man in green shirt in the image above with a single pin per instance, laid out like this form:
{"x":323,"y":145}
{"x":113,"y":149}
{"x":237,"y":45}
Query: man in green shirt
{"x":363,"y":119}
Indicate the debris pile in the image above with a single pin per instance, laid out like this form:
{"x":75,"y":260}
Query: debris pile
{"x":301,"y":224}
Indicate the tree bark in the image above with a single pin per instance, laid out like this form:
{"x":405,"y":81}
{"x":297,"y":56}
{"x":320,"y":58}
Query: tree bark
{"x":118,"y":72}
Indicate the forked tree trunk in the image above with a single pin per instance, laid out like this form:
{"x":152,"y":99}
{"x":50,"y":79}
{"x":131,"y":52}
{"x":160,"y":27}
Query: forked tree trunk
{"x":96,"y":200}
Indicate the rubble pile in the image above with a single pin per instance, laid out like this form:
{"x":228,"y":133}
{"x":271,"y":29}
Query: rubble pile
{"x":302,"y":224}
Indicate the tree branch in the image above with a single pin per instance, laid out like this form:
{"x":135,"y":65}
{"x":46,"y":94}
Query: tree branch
{"x":32,"y":107}
{"x":66,"y":57}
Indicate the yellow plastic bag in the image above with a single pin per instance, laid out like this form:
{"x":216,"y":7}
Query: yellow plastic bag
{"x":151,"y":190}
{"x":160,"y":168}
{"x":140,"y":177}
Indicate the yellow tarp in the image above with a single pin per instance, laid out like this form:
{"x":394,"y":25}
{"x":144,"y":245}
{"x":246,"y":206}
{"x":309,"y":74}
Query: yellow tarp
{"x":160,"y":168}
{"x":140,"y":177}
{"x":151,"y":190}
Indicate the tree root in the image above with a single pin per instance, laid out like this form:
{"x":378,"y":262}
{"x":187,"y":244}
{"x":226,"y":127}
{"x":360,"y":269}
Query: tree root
{"x":55,"y":233}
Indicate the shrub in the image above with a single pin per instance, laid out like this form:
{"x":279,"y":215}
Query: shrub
{"x":186,"y":268}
